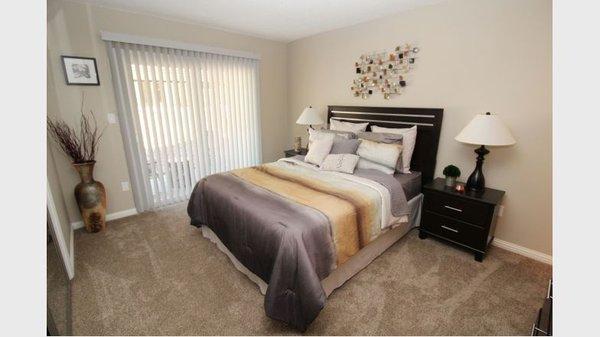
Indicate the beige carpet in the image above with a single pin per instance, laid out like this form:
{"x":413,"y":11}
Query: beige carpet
{"x":153,"y":274}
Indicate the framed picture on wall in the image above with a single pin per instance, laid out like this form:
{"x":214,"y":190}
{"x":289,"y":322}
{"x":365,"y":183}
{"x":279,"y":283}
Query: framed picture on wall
{"x":80,"y":70}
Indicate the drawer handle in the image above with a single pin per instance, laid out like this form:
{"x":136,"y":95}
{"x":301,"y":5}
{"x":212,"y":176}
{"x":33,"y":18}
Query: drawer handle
{"x":453,"y":208}
{"x":449,"y":229}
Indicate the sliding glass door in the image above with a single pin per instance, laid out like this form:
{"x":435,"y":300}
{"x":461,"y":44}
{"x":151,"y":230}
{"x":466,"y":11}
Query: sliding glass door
{"x":184,"y":115}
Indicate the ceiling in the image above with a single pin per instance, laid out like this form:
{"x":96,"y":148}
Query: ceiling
{"x":281,"y":20}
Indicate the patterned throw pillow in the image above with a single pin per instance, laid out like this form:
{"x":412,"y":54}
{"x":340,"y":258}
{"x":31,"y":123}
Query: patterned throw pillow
{"x":340,"y":163}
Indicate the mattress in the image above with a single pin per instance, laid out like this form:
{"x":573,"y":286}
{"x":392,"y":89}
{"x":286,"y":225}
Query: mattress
{"x":411,"y":183}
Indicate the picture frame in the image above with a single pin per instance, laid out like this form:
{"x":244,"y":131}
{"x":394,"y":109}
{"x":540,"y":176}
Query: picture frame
{"x":80,"y":70}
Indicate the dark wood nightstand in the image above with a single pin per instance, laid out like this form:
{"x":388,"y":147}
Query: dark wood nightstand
{"x":467,"y":219}
{"x":543,"y":323}
{"x":292,"y":152}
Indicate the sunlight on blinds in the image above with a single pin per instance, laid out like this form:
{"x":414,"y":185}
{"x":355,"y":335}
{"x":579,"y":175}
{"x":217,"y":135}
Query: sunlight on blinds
{"x":185,"y":115}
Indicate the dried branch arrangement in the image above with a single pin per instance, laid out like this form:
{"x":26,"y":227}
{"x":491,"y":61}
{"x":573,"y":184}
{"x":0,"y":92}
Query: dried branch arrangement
{"x":80,"y":146}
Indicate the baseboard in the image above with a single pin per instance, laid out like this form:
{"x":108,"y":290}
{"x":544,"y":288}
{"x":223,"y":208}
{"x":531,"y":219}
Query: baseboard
{"x":112,"y":216}
{"x":511,"y":247}
{"x":530,"y":253}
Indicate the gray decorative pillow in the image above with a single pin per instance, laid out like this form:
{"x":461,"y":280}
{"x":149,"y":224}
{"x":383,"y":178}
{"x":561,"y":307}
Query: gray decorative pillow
{"x":388,"y":138}
{"x":343,"y":145}
{"x":340,"y":163}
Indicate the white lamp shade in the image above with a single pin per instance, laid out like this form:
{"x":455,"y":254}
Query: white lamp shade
{"x":486,"y":130}
{"x":310,"y":116}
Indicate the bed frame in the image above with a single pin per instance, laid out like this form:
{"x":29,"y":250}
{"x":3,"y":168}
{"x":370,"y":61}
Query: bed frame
{"x":427,"y":120}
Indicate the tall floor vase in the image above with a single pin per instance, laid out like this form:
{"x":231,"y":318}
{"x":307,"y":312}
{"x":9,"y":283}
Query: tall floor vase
{"x":91,"y":198}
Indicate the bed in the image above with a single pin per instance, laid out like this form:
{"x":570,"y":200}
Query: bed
{"x":298,"y":232}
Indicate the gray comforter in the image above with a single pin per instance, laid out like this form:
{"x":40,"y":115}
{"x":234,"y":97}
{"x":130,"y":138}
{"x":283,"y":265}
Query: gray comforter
{"x":287,"y":244}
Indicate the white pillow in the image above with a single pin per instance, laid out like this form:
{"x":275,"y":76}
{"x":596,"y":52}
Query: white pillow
{"x":380,"y":153}
{"x":319,"y":149}
{"x":347,"y":126}
{"x":343,"y":134}
{"x":314,"y":135}
{"x":367,"y":164}
{"x":340,"y":163}
{"x":409,"y":136}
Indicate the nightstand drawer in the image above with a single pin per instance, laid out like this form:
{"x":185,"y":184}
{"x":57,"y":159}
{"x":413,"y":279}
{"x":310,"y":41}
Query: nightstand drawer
{"x":454,"y":230}
{"x":459,"y":208}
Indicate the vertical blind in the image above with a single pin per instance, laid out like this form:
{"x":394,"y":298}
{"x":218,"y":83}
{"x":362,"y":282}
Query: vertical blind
{"x":184,"y":115}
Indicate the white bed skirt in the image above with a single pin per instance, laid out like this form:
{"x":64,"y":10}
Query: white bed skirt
{"x":209,"y":234}
{"x":355,"y":264}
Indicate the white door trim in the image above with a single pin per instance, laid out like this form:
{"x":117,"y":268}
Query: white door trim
{"x":67,"y":255}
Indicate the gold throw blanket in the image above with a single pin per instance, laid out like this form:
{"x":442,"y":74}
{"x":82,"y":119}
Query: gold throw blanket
{"x":352,"y":212}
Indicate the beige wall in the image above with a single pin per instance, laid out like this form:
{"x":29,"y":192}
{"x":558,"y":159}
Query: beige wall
{"x":73,"y":29}
{"x":476,"y":56}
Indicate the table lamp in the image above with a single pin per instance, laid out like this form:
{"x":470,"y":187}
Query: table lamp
{"x":485,"y":130}
{"x":310,"y":116}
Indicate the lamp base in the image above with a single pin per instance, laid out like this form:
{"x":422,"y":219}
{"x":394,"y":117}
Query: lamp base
{"x":476,"y":181}
{"x":297,"y":144}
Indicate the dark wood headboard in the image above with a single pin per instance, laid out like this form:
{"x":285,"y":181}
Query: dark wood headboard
{"x":428,"y":122}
